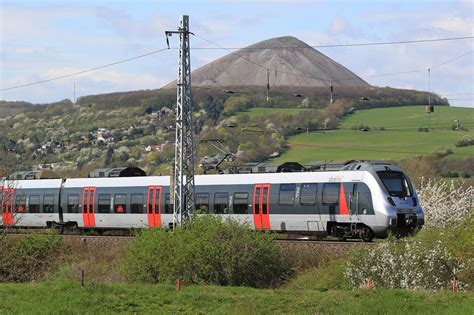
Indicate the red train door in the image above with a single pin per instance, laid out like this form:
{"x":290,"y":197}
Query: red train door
{"x":153,"y":206}
{"x":7,"y":205}
{"x":261,"y":206}
{"x":88,"y":206}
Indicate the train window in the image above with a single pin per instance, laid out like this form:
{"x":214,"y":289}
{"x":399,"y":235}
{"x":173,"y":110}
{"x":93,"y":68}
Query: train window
{"x":287,"y":194}
{"x":396,"y":183}
{"x":202,"y":203}
{"x":20,"y":203}
{"x":120,"y":203}
{"x":34,"y":203}
{"x":241,"y":203}
{"x":221,"y":203}
{"x":168,"y":205}
{"x":308,"y":194}
{"x":104,"y":203}
{"x":73,"y":203}
{"x":331,"y":193}
{"x":136,"y":203}
{"x":48,"y":203}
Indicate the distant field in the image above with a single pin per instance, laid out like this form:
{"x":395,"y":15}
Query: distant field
{"x":262,"y":111}
{"x":412,"y":117}
{"x":400,"y":139}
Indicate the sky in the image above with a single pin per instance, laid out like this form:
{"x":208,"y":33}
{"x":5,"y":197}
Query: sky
{"x":45,"y":39}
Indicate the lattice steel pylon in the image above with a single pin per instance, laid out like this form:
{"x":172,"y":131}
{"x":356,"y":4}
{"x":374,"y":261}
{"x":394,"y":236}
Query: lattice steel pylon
{"x":183,"y":190}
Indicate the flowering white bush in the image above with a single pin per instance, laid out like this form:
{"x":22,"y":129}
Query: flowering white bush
{"x":444,"y":203}
{"x":422,"y":263}
{"x":407,"y":264}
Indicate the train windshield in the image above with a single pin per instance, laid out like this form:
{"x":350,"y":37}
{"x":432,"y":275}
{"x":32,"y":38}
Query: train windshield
{"x":396,"y":183}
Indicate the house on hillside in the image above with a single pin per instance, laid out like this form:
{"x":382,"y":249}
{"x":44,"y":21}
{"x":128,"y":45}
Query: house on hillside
{"x":104,"y":136}
{"x":153,"y":147}
{"x":48,"y":166}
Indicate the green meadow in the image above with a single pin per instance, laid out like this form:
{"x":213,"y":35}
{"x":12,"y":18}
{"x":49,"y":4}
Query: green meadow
{"x":70,"y":298}
{"x":393,"y":135}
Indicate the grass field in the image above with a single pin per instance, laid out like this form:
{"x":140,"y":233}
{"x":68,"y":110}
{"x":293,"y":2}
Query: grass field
{"x":400,"y":139}
{"x":71,"y":298}
{"x":258,"y":112}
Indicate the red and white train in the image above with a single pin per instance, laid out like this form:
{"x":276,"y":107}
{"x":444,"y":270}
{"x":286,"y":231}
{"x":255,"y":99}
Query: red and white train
{"x":361,"y":200}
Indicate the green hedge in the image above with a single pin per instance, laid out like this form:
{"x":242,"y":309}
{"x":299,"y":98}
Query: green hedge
{"x":206,"y":250}
{"x":29,"y":257}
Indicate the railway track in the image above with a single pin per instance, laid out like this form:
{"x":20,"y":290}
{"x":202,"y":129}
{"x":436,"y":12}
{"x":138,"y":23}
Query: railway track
{"x":282,"y":241}
{"x":323,"y":242}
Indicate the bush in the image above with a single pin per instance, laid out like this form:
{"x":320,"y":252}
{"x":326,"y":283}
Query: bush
{"x":323,"y":278}
{"x":205,"y":250}
{"x":440,"y":153}
{"x":431,"y":259}
{"x":406,"y":264}
{"x":464,"y":142}
{"x":28,"y":258}
{"x":459,"y":242}
{"x":361,"y":127}
{"x":445,"y":203}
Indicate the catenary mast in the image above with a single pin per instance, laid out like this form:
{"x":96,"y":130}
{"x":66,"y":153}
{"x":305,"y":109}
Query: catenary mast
{"x":183,"y":177}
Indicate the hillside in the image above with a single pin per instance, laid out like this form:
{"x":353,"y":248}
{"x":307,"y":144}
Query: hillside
{"x":137,"y":128}
{"x":13,"y":108}
{"x":392,"y":134}
{"x":284,"y":57}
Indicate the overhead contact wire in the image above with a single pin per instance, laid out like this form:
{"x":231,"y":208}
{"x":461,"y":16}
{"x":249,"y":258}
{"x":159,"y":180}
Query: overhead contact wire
{"x":84,"y":71}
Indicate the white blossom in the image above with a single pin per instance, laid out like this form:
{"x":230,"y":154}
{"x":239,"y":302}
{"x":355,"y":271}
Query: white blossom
{"x":444,"y":203}
{"x":405,"y":264}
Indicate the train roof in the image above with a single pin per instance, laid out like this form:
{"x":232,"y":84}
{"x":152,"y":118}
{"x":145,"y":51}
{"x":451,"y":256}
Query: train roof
{"x":326,"y":171}
{"x":118,"y":181}
{"x":33,"y":184}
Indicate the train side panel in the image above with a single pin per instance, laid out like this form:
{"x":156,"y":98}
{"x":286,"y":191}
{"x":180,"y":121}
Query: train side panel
{"x":32,"y":203}
{"x":100,"y":203}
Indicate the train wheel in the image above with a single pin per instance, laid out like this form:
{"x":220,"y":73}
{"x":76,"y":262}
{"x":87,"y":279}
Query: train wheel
{"x":366,"y":234}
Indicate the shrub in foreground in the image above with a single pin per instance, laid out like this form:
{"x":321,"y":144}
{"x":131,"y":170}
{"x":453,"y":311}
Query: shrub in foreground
{"x":205,"y":250}
{"x":29,"y":257}
{"x":428,"y":261}
{"x":406,"y":264}
{"x":445,"y":204}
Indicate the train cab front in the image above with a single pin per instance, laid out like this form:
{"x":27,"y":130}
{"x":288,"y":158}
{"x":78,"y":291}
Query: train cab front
{"x":403,"y":205}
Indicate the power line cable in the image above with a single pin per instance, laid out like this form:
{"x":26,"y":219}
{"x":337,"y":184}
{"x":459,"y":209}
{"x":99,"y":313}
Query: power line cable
{"x":260,"y":65}
{"x":343,"y":79}
{"x":409,"y":71}
{"x":263,"y":67}
{"x":84,"y":71}
{"x":340,"y":45}
{"x":453,"y":59}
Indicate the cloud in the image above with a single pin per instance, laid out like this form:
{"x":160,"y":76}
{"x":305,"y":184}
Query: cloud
{"x":223,"y":25}
{"x":20,"y":22}
{"x":454,"y":24}
{"x":340,"y":25}
{"x":96,"y":82}
{"x":125,"y":25}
